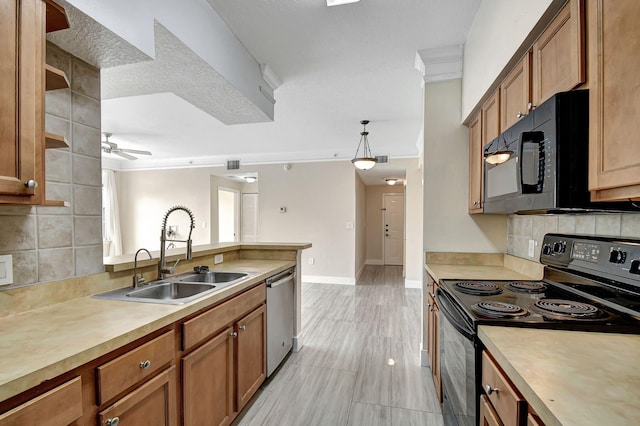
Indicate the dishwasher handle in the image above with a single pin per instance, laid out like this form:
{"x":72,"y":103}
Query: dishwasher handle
{"x":275,"y":281}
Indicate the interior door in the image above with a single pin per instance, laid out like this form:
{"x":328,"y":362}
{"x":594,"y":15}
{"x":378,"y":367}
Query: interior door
{"x":228,"y":215}
{"x":250,"y":218}
{"x":393,"y":242}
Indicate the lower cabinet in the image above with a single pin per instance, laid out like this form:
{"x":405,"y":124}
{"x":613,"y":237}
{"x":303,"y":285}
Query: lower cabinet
{"x":251,"y":355}
{"x":433,"y":339}
{"x":153,"y":404}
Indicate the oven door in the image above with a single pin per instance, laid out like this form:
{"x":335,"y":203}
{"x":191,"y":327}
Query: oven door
{"x":458,"y":360}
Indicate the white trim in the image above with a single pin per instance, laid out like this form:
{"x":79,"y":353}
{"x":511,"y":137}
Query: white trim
{"x":297,"y":343}
{"x":424,"y":358}
{"x":412,"y":284}
{"x":324,"y":279}
{"x":360,"y":272}
{"x":374,"y":262}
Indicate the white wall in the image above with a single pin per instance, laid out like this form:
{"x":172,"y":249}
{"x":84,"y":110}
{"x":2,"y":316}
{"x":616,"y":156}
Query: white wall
{"x":414,"y":224}
{"x":361,"y":225}
{"x":447,"y":225}
{"x":499,"y":28}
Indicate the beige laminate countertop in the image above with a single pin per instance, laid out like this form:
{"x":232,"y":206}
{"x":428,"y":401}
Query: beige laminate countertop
{"x":571,"y":377}
{"x":43,"y":343}
{"x":477,"y":266}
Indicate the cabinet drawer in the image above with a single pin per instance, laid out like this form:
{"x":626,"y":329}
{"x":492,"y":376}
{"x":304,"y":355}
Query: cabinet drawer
{"x":207,"y":324}
{"x":509,"y":405}
{"x":59,"y":406}
{"x":134,"y":366}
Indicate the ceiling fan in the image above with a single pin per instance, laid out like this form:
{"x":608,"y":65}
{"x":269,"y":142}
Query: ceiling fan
{"x":112,"y":148}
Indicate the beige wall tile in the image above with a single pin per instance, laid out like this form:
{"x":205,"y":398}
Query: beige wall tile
{"x":86,"y":170}
{"x":542,"y":225}
{"x":87,"y":200}
{"x":523,"y":226}
{"x":586,"y":224}
{"x":50,"y":210}
{"x":58,"y":104}
{"x":55,"y":264}
{"x":85,"y":79}
{"x":59,"y":191}
{"x":85,"y":110}
{"x":58,"y":58}
{"x":17,"y":233}
{"x":87,"y":230}
{"x":54,"y":231}
{"x":630,"y":226}
{"x":57,"y":125}
{"x":608,"y":224}
{"x":25,"y":267}
{"x":16,"y":210}
{"x":567,"y":224}
{"x":86,"y":140}
{"x":89,"y":260}
{"x":58,"y":165}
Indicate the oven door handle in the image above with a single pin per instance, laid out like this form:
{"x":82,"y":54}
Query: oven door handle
{"x":451,"y":312}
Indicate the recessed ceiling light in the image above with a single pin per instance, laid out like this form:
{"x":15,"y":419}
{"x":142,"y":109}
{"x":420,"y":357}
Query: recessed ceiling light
{"x":340,"y":2}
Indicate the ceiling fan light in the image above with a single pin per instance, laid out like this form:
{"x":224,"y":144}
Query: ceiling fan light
{"x":498,"y":157}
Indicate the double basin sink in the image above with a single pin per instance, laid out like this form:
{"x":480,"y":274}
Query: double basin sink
{"x":177,"y":290}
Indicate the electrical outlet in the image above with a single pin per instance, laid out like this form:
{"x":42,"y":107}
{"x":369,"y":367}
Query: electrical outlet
{"x":349,"y":225}
{"x":218,"y":258}
{"x":6,"y":269}
{"x":311,"y":261}
{"x":532,"y":248}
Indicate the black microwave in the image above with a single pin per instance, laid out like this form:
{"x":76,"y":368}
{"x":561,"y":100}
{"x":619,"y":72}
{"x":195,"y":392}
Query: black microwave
{"x":548,"y":159}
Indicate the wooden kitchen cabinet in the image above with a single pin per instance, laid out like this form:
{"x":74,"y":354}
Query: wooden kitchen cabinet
{"x":515,"y":93}
{"x":251,"y":354}
{"x":153,"y":403}
{"x":491,"y":118}
{"x":558,"y":54}
{"x":614,"y":91}
{"x":488,"y":416}
{"x":476,"y":167}
{"x":433,"y":339}
{"x":502,"y":403}
{"x":23,"y":24}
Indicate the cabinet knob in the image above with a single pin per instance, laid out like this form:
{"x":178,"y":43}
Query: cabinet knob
{"x":243,"y":327}
{"x":520,"y":114}
{"x":234,"y":334}
{"x":113,"y":422}
{"x":489,"y":390}
{"x":531,"y":107}
{"x":31,"y":184}
{"x":145,"y":364}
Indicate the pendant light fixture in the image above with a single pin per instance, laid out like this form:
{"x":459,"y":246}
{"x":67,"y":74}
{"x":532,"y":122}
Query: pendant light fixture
{"x":500,"y":155}
{"x":366,"y":160}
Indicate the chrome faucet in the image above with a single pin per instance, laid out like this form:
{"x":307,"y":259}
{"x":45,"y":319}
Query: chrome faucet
{"x":163,"y":269}
{"x":137,"y":280}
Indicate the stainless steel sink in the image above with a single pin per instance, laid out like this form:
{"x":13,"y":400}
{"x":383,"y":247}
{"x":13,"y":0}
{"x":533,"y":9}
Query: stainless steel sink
{"x":170,"y":291}
{"x":211,"y":277}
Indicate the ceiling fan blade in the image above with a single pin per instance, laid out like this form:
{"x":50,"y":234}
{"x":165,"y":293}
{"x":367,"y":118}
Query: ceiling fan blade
{"x":135,"y":151}
{"x":124,"y":155}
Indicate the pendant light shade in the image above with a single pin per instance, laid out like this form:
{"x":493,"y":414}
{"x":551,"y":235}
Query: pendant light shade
{"x":498,"y":156}
{"x":364,"y":159}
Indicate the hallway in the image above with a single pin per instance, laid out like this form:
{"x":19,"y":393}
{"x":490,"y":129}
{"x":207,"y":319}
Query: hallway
{"x":360,"y":362}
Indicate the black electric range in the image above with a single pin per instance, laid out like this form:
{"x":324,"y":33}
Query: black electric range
{"x":590,"y":284}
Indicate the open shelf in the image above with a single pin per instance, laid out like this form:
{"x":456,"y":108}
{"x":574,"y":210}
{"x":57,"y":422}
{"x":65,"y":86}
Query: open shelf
{"x":55,"y":78}
{"x":56,"y":17}
{"x":55,"y":141}
{"x":54,"y":203}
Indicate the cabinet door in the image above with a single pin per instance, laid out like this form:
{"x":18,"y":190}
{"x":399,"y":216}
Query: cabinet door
{"x":22,"y":28}
{"x":491,"y":118}
{"x":558,"y":54}
{"x":476,"y":160}
{"x":252,"y":359}
{"x":515,"y":94}
{"x":488,"y":416}
{"x":152,"y":404}
{"x":207,"y":382}
{"x":614,"y":93}
{"x":433,"y":344}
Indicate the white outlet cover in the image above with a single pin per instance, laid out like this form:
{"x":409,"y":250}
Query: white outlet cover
{"x":218,"y":258}
{"x":6,"y":269}
{"x":532,"y":248}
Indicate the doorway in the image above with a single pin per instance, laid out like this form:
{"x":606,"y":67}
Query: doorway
{"x":228,"y":215}
{"x":393,"y":229}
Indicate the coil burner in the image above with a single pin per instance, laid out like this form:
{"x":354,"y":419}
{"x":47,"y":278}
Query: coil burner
{"x":478,"y":288}
{"x":561,"y":309}
{"x":526,"y":287}
{"x":495,"y":309}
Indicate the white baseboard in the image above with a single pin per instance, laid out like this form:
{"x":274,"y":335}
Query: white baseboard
{"x":374,"y":262}
{"x":323,"y":279}
{"x":412,"y":284}
{"x":424,"y":358}
{"x":360,"y":272}
{"x":297,"y":344}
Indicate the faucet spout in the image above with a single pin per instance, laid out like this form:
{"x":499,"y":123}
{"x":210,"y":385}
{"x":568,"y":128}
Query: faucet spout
{"x":137,"y":280}
{"x":162,"y":267}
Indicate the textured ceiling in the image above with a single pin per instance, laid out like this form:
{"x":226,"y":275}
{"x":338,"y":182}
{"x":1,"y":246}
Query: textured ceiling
{"x":338,"y":65}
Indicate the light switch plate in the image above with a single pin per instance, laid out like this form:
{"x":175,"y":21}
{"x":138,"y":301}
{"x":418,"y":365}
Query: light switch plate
{"x":6,"y":269}
{"x":532,"y":248}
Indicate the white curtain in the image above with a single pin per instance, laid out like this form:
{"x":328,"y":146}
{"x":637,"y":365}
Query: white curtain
{"x":110,"y":215}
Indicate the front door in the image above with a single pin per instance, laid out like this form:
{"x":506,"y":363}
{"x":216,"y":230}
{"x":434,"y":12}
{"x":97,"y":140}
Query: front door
{"x":393,"y":222}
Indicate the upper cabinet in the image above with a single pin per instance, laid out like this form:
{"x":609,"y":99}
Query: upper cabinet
{"x":491,"y":118}
{"x":475,"y":164}
{"x":558,"y":54}
{"x":613,"y":38}
{"x":23,"y":24}
{"x":515,"y":93}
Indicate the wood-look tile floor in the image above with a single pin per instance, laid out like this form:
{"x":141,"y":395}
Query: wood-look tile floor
{"x":360,"y":363}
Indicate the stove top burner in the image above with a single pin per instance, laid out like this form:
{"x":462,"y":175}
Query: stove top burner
{"x":495,"y":309}
{"x":526,"y":287}
{"x":568,"y":309}
{"x":478,"y":288}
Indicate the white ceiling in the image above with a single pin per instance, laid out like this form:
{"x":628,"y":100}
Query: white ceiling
{"x":338,"y":65}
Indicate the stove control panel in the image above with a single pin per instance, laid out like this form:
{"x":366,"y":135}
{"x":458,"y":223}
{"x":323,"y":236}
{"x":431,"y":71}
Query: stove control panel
{"x":609,"y":257}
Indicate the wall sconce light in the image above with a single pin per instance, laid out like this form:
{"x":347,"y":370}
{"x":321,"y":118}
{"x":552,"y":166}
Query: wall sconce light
{"x":391,"y":181}
{"x":250,"y":179}
{"x":366,"y":160}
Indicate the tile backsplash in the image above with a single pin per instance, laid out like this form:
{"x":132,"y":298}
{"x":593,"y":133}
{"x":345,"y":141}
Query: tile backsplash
{"x":521,"y":229}
{"x":54,"y":243}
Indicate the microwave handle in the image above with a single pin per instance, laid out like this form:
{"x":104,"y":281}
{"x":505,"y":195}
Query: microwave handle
{"x":532,"y":137}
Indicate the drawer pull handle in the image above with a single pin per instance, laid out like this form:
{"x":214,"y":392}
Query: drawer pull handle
{"x":234,"y":334}
{"x":489,"y":390}
{"x":113,"y":422}
{"x":145,"y":364}
{"x":243,"y":327}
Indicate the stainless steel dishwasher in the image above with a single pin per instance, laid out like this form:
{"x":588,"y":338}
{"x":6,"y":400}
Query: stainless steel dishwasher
{"x":279,"y":317}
